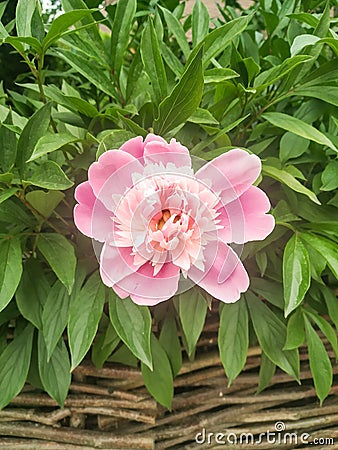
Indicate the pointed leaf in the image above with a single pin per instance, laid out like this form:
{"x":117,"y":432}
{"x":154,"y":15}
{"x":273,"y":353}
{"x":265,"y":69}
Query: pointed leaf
{"x":320,"y":364}
{"x":184,"y":99}
{"x":271,"y":334}
{"x":200,"y":22}
{"x":286,"y":178}
{"x":35,"y":128}
{"x":159,"y":381}
{"x":51,"y":142}
{"x":192,"y":312}
{"x":133,"y":324}
{"x":60,"y":255}
{"x":55,"y":316}
{"x":10,"y":269}
{"x":296,"y":273}
{"x":298,"y":127}
{"x":49,"y":175}
{"x":84,"y":315}
{"x":233,"y":338}
{"x":124,"y":15}
{"x":14,"y":365}
{"x":61,"y":24}
{"x":152,"y":61}
{"x":170,"y":343}
{"x":295,"y":333}
{"x":8,"y":144}
{"x":54,"y":373}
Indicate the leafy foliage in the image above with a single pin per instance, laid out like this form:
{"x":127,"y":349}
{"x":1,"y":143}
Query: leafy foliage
{"x":264,"y":79}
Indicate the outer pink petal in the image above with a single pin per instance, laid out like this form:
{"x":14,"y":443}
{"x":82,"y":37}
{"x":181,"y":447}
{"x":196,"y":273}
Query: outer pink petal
{"x":115,"y":264}
{"x":134,"y":146}
{"x":156,"y":151}
{"x":146,"y":289}
{"x":224,"y":276}
{"x":90,"y":208}
{"x":120,"y":292}
{"x":112,"y":174}
{"x":151,"y":137}
{"x":244,"y":219}
{"x":231,"y":173}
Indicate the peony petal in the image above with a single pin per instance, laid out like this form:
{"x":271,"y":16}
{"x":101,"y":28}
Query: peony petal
{"x":112,"y":174}
{"x":244,"y":219}
{"x":120,"y":292}
{"x":147,"y":289}
{"x":90,"y":215}
{"x":115,"y":264}
{"x":231,"y":174}
{"x":158,"y":151}
{"x":134,"y":146}
{"x":225,"y":276}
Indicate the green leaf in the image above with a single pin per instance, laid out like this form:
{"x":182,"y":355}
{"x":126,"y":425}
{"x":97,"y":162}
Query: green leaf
{"x":267,"y":370}
{"x":44,"y":202}
{"x":54,"y":372}
{"x":175,"y":27}
{"x":60,"y":255}
{"x":298,"y":127}
{"x":271,"y":335}
{"x":200,"y":22}
{"x":203,"y":116}
{"x":104,"y":345}
{"x":302,"y":41}
{"x":329,"y":176}
{"x":51,"y":142}
{"x":16,"y":42}
{"x":49,"y":175}
{"x":7,"y":193}
{"x":320,"y":364}
{"x":84,"y":315}
{"x":270,"y":76}
{"x":61,"y":24}
{"x":133,"y":324}
{"x":292,"y":146}
{"x":233,"y":338}
{"x":268,"y":289}
{"x":328,"y":94}
{"x":192,"y":312}
{"x":8,"y":144}
{"x":124,"y":15}
{"x":295,"y":333}
{"x":35,"y":128}
{"x":112,"y":139}
{"x":184,"y":99}
{"x":23,"y":15}
{"x":31,"y":296}
{"x":296,"y":273}
{"x":55,"y":316}
{"x":324,"y":246}
{"x":159,"y":381}
{"x":326,"y":329}
{"x":331,"y":304}
{"x":219,"y":75}
{"x":170,"y":343}
{"x":152,"y":61}
{"x":286,"y":178}
{"x":10,"y":269}
{"x":90,"y":70}
{"x":216,"y":41}
{"x":14,"y":365}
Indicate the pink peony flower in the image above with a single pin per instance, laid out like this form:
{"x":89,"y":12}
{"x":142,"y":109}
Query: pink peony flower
{"x":158,"y":221}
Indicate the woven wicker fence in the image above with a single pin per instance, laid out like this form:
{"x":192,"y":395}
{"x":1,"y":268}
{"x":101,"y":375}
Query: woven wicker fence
{"x":110,"y":408}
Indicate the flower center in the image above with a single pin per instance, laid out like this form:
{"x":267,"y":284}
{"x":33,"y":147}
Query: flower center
{"x":165,"y":217}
